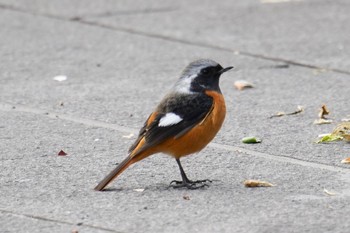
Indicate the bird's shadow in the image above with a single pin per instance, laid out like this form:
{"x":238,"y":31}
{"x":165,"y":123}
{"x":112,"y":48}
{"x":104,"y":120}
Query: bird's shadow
{"x":161,"y":187}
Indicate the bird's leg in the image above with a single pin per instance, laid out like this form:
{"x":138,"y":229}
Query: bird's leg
{"x":187,"y":183}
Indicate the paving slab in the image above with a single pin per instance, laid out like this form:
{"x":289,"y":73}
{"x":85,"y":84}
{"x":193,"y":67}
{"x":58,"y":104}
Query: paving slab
{"x":313,"y":32}
{"x":310,"y":32}
{"x":14,"y":222}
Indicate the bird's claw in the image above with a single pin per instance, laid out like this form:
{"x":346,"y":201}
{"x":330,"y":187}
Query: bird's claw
{"x":189,"y":184}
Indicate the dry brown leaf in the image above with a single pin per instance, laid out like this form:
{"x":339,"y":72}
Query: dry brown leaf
{"x":322,"y":121}
{"x":346,"y":137}
{"x":323,"y":112}
{"x":343,"y":130}
{"x":242,"y":84}
{"x":346,"y":161}
{"x":257,"y":183}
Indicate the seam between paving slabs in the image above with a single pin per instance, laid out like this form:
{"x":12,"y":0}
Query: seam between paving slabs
{"x":81,"y":20}
{"x":132,"y":12}
{"x":95,"y":123}
{"x":40,"y":218}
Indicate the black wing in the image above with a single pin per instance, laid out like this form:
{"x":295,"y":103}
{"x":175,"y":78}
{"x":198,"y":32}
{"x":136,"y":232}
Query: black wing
{"x":191,"y":108}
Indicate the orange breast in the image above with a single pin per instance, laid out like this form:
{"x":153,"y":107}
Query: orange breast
{"x":199,"y":136}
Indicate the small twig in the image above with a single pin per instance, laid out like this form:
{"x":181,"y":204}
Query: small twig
{"x":279,"y":114}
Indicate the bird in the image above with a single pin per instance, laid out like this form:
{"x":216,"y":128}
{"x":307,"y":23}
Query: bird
{"x":183,"y":123}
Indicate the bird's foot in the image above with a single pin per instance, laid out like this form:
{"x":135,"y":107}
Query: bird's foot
{"x":190,"y":184}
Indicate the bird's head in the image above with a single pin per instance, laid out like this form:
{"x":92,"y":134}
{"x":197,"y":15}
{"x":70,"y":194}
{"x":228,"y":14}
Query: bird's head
{"x":199,"y":76}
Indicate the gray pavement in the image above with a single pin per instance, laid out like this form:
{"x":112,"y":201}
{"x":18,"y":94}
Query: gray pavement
{"x":120,"y":58}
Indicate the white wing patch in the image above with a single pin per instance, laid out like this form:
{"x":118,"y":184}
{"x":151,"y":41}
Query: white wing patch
{"x":169,"y":119}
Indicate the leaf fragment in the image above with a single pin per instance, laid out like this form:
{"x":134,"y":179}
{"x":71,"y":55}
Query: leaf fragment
{"x":242,"y":84}
{"x":346,"y":161}
{"x":330,"y":193}
{"x":343,"y":130}
{"x":319,"y":71}
{"x":329,"y":138}
{"x":139,"y":190}
{"x":251,"y":140}
{"x":323,"y":111}
{"x":62,"y":153}
{"x":278,"y":114}
{"x":300,"y":109}
{"x":60,"y":78}
{"x":346,"y":137}
{"x":322,"y":121}
{"x":257,"y":183}
{"x":128,"y":136}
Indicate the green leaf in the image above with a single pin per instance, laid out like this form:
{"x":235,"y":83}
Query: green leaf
{"x":251,"y":140}
{"x":330,"y":138}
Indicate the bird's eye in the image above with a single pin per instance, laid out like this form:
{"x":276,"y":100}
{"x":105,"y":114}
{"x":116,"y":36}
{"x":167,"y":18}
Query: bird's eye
{"x":205,"y":71}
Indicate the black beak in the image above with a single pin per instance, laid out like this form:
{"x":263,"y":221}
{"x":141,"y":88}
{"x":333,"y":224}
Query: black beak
{"x":225,"y":69}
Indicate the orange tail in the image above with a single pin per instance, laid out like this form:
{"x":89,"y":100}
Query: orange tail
{"x":116,"y":172}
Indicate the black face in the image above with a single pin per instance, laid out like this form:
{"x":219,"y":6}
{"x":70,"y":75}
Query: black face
{"x":207,"y":79}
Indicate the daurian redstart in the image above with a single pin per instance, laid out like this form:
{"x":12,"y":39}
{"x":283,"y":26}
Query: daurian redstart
{"x":184,"y":122}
